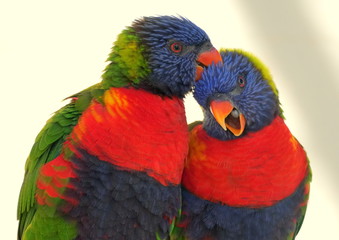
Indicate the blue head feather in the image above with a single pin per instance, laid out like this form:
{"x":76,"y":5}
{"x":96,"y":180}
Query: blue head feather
{"x":256,"y":100}
{"x":171,"y":73}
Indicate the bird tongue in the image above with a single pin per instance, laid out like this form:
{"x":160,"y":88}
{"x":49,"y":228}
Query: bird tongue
{"x":233,"y":119}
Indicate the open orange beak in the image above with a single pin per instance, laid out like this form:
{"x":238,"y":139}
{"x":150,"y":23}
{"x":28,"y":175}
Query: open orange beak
{"x":228,"y":116}
{"x":205,"y":59}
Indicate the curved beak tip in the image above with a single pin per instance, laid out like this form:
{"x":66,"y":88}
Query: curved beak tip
{"x":205,"y":59}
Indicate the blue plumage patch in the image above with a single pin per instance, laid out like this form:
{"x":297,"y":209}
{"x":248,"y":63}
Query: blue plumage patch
{"x":172,"y":74}
{"x":208,"y":219}
{"x":120,"y":204}
{"x":156,"y":31}
{"x":255,"y":100}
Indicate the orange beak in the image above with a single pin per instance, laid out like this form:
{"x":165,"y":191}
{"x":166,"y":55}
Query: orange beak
{"x":205,"y":59}
{"x":228,"y":117}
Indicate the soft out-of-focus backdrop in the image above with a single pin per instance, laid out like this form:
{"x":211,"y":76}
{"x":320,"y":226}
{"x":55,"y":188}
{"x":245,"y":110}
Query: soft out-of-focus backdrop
{"x":52,"y":49}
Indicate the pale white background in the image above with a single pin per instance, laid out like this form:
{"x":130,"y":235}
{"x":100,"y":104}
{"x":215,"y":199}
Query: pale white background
{"x":52,"y":49}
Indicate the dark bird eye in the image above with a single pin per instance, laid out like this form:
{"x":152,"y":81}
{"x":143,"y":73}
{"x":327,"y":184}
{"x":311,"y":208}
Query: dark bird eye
{"x":176,"y":47}
{"x":241,"y":81}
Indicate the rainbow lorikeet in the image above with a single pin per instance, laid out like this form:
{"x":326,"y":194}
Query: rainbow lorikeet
{"x":246,"y":176}
{"x":108,"y":165}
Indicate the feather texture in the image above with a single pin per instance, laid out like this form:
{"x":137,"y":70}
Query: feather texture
{"x":246,"y":176}
{"x":108,"y":165}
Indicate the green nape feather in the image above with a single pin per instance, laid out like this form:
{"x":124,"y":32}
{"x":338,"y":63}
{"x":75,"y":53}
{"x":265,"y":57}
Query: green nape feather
{"x":261,"y":67}
{"x":128,"y":65}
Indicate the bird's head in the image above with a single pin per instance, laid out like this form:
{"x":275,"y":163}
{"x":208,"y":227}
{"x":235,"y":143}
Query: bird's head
{"x":237,"y":96}
{"x":161,"y":54}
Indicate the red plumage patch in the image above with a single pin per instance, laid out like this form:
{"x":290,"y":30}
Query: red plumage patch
{"x":53,"y":181}
{"x":254,"y":171}
{"x":134,"y":129}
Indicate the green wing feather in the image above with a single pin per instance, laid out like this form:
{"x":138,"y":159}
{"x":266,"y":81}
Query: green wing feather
{"x":177,"y":232}
{"x":127,"y":67}
{"x":47,"y":146}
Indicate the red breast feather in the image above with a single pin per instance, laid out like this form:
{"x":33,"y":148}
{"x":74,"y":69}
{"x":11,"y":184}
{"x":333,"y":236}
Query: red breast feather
{"x":256,"y":170}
